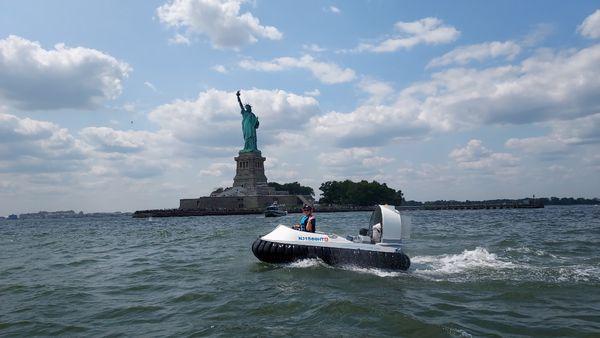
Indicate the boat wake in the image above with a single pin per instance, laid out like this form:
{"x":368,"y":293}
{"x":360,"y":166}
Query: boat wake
{"x":528,"y":251}
{"x":470,"y":265}
{"x":376,"y":272}
{"x":428,"y":266}
{"x":315,"y":262}
{"x":306,"y":263}
{"x":480,"y":264}
{"x":476,"y":259}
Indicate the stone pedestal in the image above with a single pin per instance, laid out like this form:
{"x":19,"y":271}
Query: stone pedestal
{"x":250,"y":192}
{"x":250,"y":172}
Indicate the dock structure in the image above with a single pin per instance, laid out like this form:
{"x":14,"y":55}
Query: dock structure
{"x":516,"y":204}
{"x":193,"y":212}
{"x":480,"y":206}
{"x":248,"y":211}
{"x":534,"y":204}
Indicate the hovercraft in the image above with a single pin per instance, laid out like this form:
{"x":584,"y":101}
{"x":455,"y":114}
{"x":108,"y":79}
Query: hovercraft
{"x":379,"y":246}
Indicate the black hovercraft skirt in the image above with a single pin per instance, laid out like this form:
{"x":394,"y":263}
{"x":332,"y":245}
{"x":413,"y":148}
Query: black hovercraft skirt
{"x":272,"y":252}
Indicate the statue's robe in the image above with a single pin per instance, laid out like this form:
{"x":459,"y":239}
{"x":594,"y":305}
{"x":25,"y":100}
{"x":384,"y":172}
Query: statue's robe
{"x":249,"y":126}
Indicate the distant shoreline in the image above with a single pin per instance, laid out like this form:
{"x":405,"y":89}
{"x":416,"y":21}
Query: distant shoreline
{"x":407,"y":205}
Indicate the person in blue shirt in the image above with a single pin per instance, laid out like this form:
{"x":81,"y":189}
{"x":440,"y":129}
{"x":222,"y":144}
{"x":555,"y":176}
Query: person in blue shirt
{"x":308,"y":222}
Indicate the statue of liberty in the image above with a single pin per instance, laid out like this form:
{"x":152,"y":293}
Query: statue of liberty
{"x":249,"y":126}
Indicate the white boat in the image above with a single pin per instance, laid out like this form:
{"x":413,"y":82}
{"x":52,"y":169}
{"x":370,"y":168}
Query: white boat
{"x":275,"y":210}
{"x":379,"y":246}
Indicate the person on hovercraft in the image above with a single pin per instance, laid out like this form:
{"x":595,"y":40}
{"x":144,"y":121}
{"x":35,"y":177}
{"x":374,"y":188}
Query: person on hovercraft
{"x":308,"y":222}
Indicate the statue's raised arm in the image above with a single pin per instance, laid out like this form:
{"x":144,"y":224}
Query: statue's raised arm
{"x":239,"y":100}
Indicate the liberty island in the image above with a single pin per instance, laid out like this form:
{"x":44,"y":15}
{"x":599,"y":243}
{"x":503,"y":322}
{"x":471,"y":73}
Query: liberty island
{"x":249,"y":193}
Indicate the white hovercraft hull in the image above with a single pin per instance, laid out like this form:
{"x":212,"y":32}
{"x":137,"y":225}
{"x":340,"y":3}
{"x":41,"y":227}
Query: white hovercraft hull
{"x":284,"y":245}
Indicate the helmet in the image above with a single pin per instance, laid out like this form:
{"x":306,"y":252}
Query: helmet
{"x":307,"y":207}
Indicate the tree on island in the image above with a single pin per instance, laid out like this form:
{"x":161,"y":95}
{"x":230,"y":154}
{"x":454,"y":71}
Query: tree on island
{"x":293,"y":188}
{"x":361,"y":193}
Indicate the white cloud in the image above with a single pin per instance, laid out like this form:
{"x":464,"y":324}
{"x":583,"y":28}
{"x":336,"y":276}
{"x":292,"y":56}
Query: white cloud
{"x":132,"y":154}
{"x":346,"y":157}
{"x":179,"y":39}
{"x":188,"y":131}
{"x":42,"y":156}
{"x":475,"y":156}
{"x":213,"y":119}
{"x":287,"y":175}
{"x":429,"y":31}
{"x":585,"y":130}
{"x":218,"y":169}
{"x":128,"y":107}
{"x":334,"y":10}
{"x":473,"y":151}
{"x":593,"y":162}
{"x":539,"y":32}
{"x":373,"y":123}
{"x":425,"y":173}
{"x":313,"y":48}
{"x":358,"y":161}
{"x":33,"y":146}
{"x":590,"y":27}
{"x":220,"y":69}
{"x":7,"y":187}
{"x":140,"y":168}
{"x":368,"y":125}
{"x":549,"y":86}
{"x":479,"y":52}
{"x":326,"y":72}
{"x":560,"y":141}
{"x":64,"y":77}
{"x":377,"y":90}
{"x":314,"y":92}
{"x":150,"y":85}
{"x":118,"y":141}
{"x":376,"y":161}
{"x":289,"y":140}
{"x":220,"y":20}
{"x":541,"y":145}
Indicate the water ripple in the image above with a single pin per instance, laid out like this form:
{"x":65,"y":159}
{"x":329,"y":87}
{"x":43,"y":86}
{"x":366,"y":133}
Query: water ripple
{"x":474,"y":273}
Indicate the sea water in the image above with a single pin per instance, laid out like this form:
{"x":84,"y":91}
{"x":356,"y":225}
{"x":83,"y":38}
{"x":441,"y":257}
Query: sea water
{"x":474,"y":272}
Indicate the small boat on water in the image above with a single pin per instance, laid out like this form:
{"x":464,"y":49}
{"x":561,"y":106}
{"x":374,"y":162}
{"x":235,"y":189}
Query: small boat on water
{"x":379,"y":246}
{"x":275,"y":210}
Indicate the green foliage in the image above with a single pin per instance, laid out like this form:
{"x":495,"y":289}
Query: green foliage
{"x":293,"y":188}
{"x":359,"y":193}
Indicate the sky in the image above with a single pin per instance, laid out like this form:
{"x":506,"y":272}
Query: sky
{"x":125,"y":105}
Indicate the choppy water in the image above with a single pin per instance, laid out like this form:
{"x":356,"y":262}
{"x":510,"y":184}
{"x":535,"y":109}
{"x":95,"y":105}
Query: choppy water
{"x":495,"y":272}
